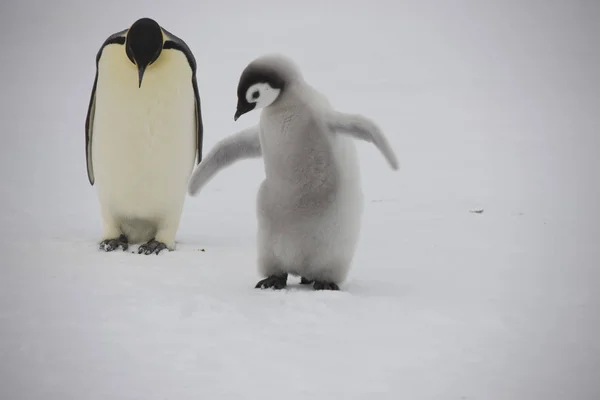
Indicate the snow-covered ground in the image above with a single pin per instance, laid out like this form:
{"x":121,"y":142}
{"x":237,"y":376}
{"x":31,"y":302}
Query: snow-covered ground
{"x":489,"y":105}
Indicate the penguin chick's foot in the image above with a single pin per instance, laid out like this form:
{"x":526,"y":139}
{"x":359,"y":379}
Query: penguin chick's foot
{"x":273,"y":282}
{"x":113,"y":244}
{"x":305,"y":281}
{"x":325,"y":286}
{"x":152,"y":247}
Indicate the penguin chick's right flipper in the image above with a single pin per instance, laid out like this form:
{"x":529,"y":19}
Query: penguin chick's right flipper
{"x":113,"y":244}
{"x":273,"y":282}
{"x":362,"y":128}
{"x":242,"y":145}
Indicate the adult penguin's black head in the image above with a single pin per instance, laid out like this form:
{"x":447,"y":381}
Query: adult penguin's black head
{"x":144,"y":44}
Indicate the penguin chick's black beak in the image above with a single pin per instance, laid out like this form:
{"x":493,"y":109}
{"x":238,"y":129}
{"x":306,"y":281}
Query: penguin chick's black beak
{"x":243,"y":108}
{"x":141,"y":70}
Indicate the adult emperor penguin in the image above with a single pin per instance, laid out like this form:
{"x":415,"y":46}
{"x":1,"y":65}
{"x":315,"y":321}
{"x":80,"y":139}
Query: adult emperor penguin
{"x":310,"y":203}
{"x":142,"y":133}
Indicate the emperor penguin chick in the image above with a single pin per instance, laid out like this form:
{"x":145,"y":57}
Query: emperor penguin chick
{"x":142,"y":133}
{"x":309,"y":206}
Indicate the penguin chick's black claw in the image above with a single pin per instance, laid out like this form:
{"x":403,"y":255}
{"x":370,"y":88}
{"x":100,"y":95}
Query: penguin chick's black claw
{"x":113,"y":244}
{"x":273,"y":282}
{"x":325,"y":286}
{"x":305,"y":281}
{"x":152,"y":247}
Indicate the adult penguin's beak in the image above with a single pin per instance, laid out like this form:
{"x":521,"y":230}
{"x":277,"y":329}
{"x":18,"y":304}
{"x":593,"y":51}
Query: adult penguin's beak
{"x":141,"y":70}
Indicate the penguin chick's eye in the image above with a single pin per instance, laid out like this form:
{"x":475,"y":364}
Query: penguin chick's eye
{"x":261,"y":94}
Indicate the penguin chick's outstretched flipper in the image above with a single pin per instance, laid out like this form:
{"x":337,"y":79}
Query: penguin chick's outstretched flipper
{"x":153,"y":246}
{"x":113,"y":244}
{"x":273,"y":282}
{"x":242,"y":145}
{"x":362,"y":128}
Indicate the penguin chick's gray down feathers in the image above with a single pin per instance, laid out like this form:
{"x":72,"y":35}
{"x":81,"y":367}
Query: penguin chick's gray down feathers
{"x":310,"y":204}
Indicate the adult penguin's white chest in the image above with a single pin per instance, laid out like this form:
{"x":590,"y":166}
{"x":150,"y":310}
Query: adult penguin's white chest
{"x":144,"y":140}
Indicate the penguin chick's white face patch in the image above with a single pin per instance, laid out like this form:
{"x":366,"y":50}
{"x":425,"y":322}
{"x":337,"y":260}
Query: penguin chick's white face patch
{"x":262,"y":94}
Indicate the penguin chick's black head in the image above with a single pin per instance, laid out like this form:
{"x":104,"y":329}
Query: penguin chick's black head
{"x":259,"y":86}
{"x":144,"y":44}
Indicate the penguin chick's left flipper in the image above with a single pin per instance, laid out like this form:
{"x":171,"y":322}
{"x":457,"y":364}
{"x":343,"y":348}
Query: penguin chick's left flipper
{"x":242,"y":145}
{"x":273,"y":282}
{"x":152,"y":247}
{"x":362,"y":128}
{"x":113,"y":244}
